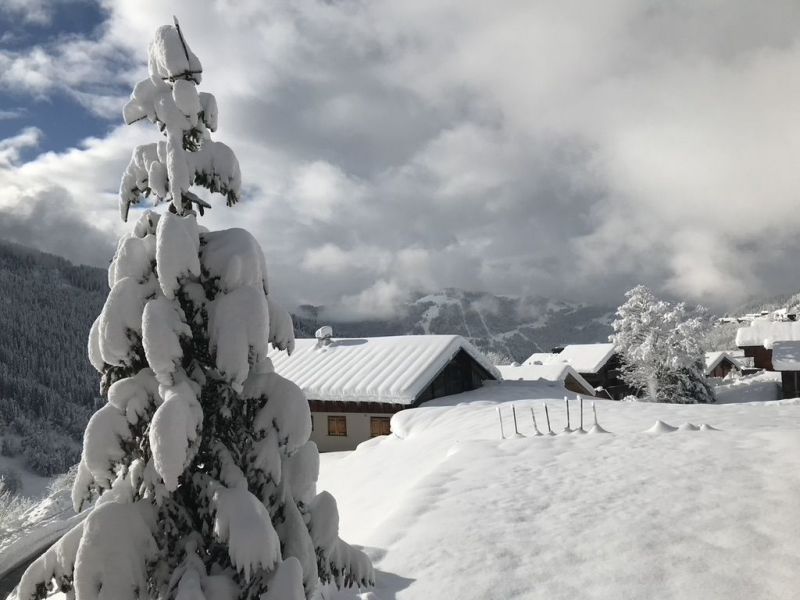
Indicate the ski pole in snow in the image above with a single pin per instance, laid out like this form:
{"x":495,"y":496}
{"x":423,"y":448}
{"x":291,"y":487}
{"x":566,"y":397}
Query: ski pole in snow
{"x":594,"y":410}
{"x":535,"y":427}
{"x":581,"y":414}
{"x":514,"y":414}
{"x":567,"y":429}
{"x":500,"y":415}
{"x":547,"y":415}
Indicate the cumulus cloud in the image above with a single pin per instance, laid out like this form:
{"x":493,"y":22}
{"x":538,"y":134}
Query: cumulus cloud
{"x":561,"y":148}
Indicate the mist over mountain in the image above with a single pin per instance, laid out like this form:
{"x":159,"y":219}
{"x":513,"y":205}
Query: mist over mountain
{"x":511,"y":327}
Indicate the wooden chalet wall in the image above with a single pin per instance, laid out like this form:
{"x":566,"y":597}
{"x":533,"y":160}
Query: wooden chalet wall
{"x":722,"y":369}
{"x":461,"y":374}
{"x":790,"y":384}
{"x":608,"y":377}
{"x":762,"y":358}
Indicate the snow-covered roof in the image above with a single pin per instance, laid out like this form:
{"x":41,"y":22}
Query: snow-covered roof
{"x":584,"y":358}
{"x":763,"y":332}
{"x":380,"y":369}
{"x":540,"y":358}
{"x":786,"y":355}
{"x":714,"y":358}
{"x":555,"y":372}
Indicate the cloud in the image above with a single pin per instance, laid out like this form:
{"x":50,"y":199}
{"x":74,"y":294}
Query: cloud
{"x":556,"y":148}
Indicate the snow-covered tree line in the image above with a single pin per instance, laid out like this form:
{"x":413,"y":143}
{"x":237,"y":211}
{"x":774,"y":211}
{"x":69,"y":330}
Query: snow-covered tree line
{"x":47,"y":388}
{"x":661,"y":345}
{"x":199,"y":463}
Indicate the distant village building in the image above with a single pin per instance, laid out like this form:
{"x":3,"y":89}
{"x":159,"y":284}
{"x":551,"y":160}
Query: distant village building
{"x":786,"y":359}
{"x":560,"y":374}
{"x":598,"y":364}
{"x":720,"y":364}
{"x":758,"y":337}
{"x":355,"y":385}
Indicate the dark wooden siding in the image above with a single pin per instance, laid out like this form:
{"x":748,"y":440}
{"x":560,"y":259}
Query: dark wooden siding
{"x":790,"y":383}
{"x":762,"y":358}
{"x":461,"y":374}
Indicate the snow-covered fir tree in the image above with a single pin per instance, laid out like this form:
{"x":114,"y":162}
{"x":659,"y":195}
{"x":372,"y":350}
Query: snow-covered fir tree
{"x":661,"y":345}
{"x":199,"y":464}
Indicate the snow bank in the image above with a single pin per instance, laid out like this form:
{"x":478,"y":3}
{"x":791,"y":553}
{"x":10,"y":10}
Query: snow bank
{"x":448,"y":510}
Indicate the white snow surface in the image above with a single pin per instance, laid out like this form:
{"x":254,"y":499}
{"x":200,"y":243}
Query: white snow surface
{"x":786,"y":355}
{"x":175,"y":425}
{"x":381,"y":369}
{"x":446,"y":509}
{"x":763,"y":332}
{"x":584,"y":358}
{"x":554,"y":372}
{"x":238,"y":329}
{"x":177,"y":245}
{"x":235,"y":257}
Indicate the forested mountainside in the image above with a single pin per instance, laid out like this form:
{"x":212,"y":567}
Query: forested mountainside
{"x":509,"y":327}
{"x":47,"y":386}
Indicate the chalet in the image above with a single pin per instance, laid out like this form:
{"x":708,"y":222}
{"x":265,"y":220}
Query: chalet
{"x":758,"y":337}
{"x":786,"y":359}
{"x":557,"y":373}
{"x":720,"y":364}
{"x":355,"y":385}
{"x":598,"y":364}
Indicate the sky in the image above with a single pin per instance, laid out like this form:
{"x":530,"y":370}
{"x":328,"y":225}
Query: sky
{"x":561,"y":148}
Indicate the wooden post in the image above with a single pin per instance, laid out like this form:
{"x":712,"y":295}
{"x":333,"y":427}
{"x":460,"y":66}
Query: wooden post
{"x":535,"y":426}
{"x":500,"y":415}
{"x":594,"y":410}
{"x":567,"y":429}
{"x":581,"y":414}
{"x":514,"y":414}
{"x":547,"y":415}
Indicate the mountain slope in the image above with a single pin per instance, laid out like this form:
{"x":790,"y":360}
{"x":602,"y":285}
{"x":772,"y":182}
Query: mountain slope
{"x":507,"y":326}
{"x":47,"y":386}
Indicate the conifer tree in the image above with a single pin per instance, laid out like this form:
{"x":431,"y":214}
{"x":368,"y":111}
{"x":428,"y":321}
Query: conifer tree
{"x":199,"y":464}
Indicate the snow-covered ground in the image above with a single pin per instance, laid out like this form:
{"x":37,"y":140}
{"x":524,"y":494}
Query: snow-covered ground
{"x":446,"y":509}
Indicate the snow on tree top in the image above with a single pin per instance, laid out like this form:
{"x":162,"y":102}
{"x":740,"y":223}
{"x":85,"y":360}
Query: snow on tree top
{"x":556,"y":372}
{"x":381,"y":369}
{"x":763,"y":332}
{"x":584,"y":358}
{"x":786,"y":355}
{"x":169,"y":56}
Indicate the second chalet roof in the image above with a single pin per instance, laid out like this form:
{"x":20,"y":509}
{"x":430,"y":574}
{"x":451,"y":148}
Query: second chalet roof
{"x":380,"y":369}
{"x":713,"y":359}
{"x":786,"y":355}
{"x":763,"y":332}
{"x":584,"y":358}
{"x":557,"y":372}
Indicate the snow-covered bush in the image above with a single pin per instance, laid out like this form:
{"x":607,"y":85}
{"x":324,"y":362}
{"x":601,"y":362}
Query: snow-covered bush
{"x":12,"y":505}
{"x":661,"y":346}
{"x":200,"y":459}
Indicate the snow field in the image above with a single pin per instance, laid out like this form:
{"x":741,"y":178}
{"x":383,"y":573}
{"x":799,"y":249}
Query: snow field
{"x":448,"y":510}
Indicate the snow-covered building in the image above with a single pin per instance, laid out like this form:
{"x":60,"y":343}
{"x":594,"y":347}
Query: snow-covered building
{"x":786,"y":359}
{"x":757,"y":339}
{"x":598,"y":364}
{"x":557,"y":373}
{"x":355,"y":385}
{"x":719,"y":364}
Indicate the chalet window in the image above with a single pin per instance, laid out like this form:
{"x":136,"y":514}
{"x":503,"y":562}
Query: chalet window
{"x":379,"y":426}
{"x":337,"y":426}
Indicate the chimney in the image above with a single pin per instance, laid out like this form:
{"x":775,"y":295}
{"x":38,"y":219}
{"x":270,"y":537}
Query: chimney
{"x":324,"y":335}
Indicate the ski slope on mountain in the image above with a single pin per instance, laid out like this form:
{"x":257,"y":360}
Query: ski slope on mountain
{"x":446,"y":509}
